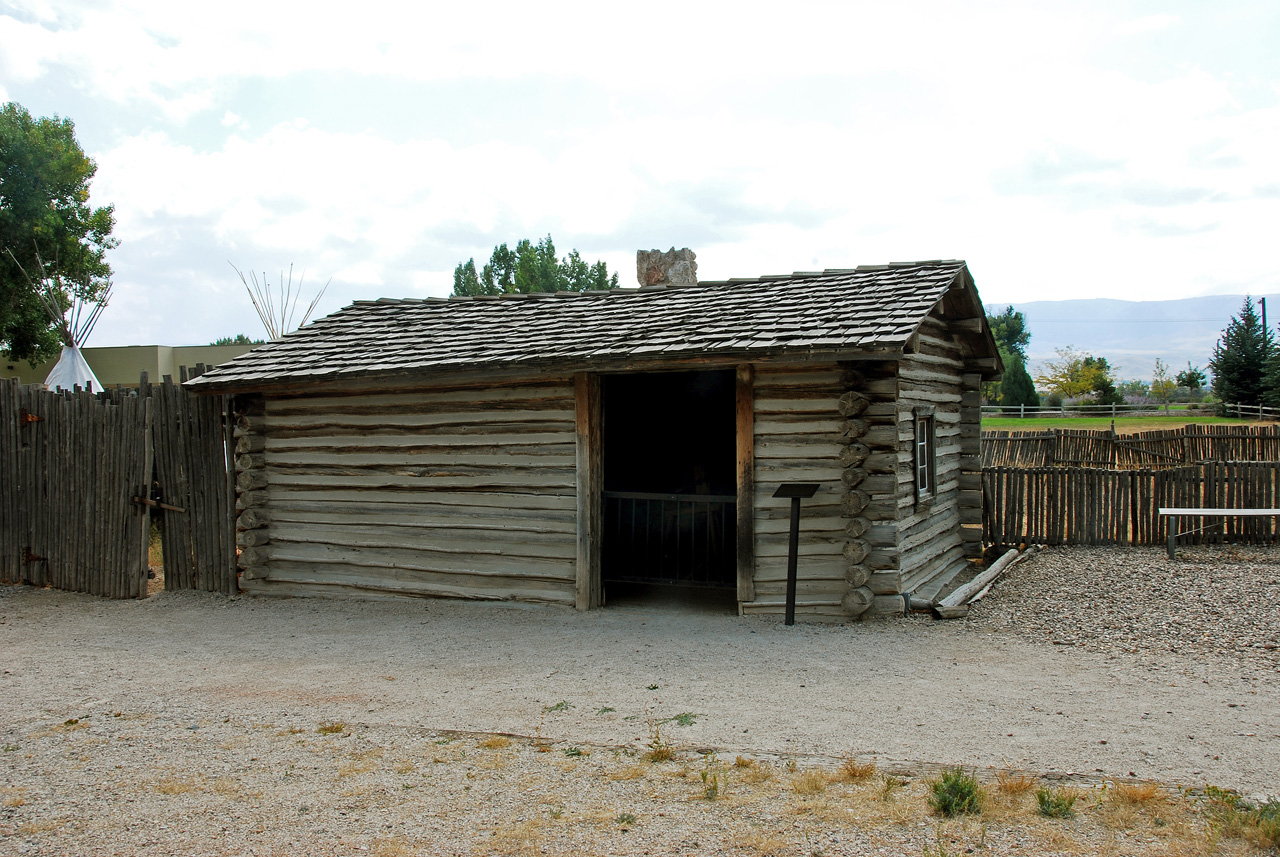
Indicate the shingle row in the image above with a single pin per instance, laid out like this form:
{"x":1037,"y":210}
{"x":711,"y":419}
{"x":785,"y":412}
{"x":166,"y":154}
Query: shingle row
{"x":870,"y":307}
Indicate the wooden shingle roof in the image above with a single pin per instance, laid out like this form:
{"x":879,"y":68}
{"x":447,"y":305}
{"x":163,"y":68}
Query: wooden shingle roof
{"x":833,"y":312}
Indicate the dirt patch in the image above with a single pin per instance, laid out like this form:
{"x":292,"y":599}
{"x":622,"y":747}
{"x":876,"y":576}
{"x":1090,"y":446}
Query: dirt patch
{"x":197,"y":717}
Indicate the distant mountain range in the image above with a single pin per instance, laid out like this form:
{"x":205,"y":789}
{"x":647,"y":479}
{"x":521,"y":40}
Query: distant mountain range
{"x":1132,"y":334}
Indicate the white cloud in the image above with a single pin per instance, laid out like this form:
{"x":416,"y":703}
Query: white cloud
{"x":1146,"y":24}
{"x":842,"y":133}
{"x":361,"y":273}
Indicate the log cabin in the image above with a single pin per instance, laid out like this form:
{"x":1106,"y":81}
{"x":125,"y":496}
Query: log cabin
{"x":565,"y":447}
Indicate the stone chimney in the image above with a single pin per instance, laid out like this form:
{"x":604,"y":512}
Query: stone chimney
{"x":657,"y":270}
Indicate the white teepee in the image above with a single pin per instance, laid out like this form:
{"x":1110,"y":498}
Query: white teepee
{"x":74,"y":324}
{"x":72,"y":370}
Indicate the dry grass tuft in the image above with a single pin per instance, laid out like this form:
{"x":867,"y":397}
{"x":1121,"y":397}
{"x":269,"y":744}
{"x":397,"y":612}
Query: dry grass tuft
{"x":744,"y":762}
{"x":1009,"y":784}
{"x":523,"y":837}
{"x":853,"y":771}
{"x":234,"y":790}
{"x":764,"y":844}
{"x":659,"y":753}
{"x":359,"y":765}
{"x":497,"y":742}
{"x":173,"y":786}
{"x":631,"y":772}
{"x":809,"y":782}
{"x":753,"y":774}
{"x":392,"y":846}
{"x":1138,"y":794}
{"x":46,"y":825}
{"x":330,"y":727}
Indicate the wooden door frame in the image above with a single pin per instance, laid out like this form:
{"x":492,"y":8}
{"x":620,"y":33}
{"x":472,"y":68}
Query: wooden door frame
{"x":745,"y":395}
{"x":589,"y":583}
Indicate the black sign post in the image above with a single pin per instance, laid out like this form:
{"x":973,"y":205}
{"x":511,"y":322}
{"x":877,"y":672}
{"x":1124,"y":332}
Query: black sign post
{"x":797,"y":491}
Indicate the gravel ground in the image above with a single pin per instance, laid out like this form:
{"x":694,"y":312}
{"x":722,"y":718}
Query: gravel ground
{"x":196,"y":724}
{"x":1213,"y":604}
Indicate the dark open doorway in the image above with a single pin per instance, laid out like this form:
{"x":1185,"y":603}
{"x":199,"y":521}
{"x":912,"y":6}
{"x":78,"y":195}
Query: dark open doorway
{"x":669,"y":448}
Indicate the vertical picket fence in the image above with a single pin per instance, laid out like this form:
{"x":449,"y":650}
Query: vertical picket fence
{"x":1093,"y":506}
{"x":84,"y":475}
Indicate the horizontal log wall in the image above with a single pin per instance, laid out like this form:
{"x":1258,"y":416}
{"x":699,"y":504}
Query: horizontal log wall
{"x":929,"y":533}
{"x":466,"y":493}
{"x":799,"y":435}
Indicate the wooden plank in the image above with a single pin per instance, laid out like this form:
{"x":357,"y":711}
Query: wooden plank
{"x":589,"y":585}
{"x":745,"y":450}
{"x":289,"y":577}
{"x":144,"y":516}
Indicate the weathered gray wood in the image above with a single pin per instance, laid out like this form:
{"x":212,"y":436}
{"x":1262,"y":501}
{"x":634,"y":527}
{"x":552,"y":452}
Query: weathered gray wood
{"x":856,"y":601}
{"x":962,"y":594}
{"x":589,"y":584}
{"x":745,"y":468}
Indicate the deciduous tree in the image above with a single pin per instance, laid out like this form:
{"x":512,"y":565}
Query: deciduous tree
{"x":50,"y":236}
{"x":531,"y":268}
{"x":1192,"y":378}
{"x":1068,"y":376}
{"x":1162,"y":386}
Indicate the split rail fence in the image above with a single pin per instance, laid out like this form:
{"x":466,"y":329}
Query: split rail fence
{"x":84,"y":475}
{"x":1161,"y":448}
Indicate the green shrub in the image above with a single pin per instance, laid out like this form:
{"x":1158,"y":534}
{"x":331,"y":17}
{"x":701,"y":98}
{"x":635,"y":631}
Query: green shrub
{"x":1057,"y":803}
{"x":1236,"y":816}
{"x":955,"y":793}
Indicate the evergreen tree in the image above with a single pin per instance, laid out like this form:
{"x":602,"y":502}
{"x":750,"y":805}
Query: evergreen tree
{"x":1104,"y":385}
{"x":531,"y":268}
{"x":1240,"y":357}
{"x":1009,"y":328}
{"x":1271,"y":379}
{"x":1017,"y":388}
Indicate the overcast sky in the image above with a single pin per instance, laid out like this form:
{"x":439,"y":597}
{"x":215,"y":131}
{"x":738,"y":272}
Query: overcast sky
{"x":1082,"y":149}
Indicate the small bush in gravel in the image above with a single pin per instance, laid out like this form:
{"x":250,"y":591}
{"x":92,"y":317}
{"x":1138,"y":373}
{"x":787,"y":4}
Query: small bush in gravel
{"x":955,"y":793}
{"x":714,"y":777}
{"x":659,"y":749}
{"x":1237,"y":817}
{"x":1056,"y":803}
{"x":330,"y":728}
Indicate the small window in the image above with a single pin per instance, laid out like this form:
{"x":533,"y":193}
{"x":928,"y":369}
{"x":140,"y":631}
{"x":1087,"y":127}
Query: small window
{"x":924,"y":456}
